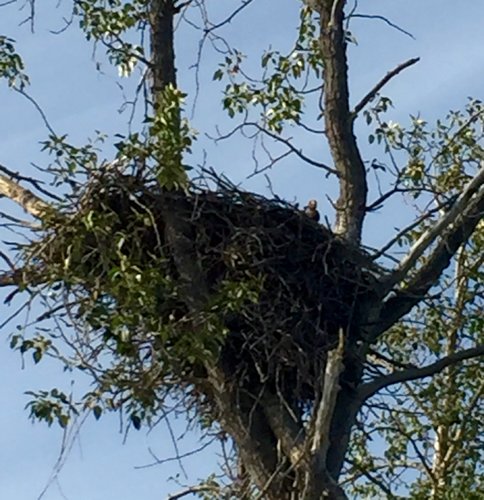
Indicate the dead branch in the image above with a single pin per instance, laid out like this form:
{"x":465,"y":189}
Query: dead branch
{"x":324,"y":413}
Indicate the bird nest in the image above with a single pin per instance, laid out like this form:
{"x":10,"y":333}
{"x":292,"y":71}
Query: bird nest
{"x":281,"y":286}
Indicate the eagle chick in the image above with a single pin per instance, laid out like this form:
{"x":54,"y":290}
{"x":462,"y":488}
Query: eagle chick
{"x":311,"y":210}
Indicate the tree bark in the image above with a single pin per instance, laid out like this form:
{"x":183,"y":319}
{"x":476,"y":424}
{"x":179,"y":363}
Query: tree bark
{"x":351,"y":204}
{"x":163,"y":69}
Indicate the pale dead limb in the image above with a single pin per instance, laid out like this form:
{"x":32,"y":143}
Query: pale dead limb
{"x":31,"y":203}
{"x":325,"y":410}
{"x":317,"y":475}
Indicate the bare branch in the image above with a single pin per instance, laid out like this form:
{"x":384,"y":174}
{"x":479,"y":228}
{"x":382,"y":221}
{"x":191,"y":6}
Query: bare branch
{"x":325,"y":410}
{"x":385,"y":20}
{"x":229,"y":18}
{"x":417,"y":286}
{"x":381,"y":251}
{"x":369,"y":389}
{"x":35,"y":182}
{"x":38,"y":108}
{"x":457,"y":210}
{"x":285,"y":141}
{"x":292,"y":148}
{"x":201,"y":488}
{"x":378,"y":203}
{"x":374,"y":91}
{"x":31,"y":203}
{"x":318,"y":474}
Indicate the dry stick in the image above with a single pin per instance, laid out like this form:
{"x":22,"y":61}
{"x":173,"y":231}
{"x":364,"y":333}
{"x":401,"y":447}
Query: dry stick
{"x":371,"y":95}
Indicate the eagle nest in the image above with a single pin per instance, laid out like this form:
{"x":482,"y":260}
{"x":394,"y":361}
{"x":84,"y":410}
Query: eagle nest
{"x":281,"y":286}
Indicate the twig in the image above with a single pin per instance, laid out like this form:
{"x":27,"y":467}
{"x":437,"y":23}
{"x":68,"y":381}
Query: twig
{"x":296,"y":151}
{"x":39,"y":109}
{"x":35,"y":182}
{"x":228,"y":19}
{"x":191,"y":490}
{"x":385,"y":20}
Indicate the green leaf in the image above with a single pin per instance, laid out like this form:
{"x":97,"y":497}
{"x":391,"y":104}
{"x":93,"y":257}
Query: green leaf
{"x":218,"y":75}
{"x":37,"y":355}
{"x":63,"y":420}
{"x":97,"y":412}
{"x":136,"y":421}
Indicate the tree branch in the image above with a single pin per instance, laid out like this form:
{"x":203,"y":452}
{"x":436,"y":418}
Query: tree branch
{"x":457,"y":210}
{"x":385,"y":20}
{"x":381,"y":251}
{"x":325,"y":410}
{"x":371,"y":95}
{"x":288,"y":431}
{"x":11,"y":278}
{"x":351,"y":204}
{"x":402,"y":301}
{"x":291,"y":147}
{"x":318,"y":477}
{"x":193,"y":490}
{"x":369,"y":389}
{"x":31,"y":203}
{"x":162,"y":13}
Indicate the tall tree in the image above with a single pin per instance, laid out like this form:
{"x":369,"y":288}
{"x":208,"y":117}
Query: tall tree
{"x":286,"y":337}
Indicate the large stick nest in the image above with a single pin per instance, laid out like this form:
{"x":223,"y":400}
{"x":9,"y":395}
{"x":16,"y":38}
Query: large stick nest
{"x":310,"y":283}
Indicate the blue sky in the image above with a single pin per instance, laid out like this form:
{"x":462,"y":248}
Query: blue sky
{"x":78,"y":99}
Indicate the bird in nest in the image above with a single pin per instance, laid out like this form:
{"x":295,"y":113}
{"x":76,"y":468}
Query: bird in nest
{"x":312,"y":210}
